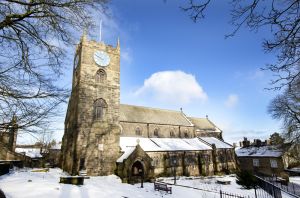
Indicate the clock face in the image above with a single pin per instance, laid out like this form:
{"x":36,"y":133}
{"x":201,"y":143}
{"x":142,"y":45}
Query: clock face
{"x":101,"y":58}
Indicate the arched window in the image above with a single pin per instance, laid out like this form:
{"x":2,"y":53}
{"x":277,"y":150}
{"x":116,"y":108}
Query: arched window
{"x":138,"y":131}
{"x":186,"y":133}
{"x":172,"y":133}
{"x":100,"y":107}
{"x":155,"y":133}
{"x":100,"y":76}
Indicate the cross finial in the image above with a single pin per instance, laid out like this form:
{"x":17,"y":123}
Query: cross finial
{"x":118,"y":43}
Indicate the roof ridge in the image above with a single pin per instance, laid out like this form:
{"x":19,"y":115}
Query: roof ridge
{"x":154,"y":108}
{"x":195,"y":117}
{"x":186,"y":117}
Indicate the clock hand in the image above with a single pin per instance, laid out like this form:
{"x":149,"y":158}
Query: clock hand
{"x":99,"y":57}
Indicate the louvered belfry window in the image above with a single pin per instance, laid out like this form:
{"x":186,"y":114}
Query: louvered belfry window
{"x":100,"y":76}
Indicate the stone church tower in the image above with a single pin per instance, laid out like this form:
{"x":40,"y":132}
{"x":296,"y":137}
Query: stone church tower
{"x":92,"y":129}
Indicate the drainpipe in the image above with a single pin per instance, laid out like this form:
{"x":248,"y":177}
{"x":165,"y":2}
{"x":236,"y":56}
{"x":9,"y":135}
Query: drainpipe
{"x":148,"y":130}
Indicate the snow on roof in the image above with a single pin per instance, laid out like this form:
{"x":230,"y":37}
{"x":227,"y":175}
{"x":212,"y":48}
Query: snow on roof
{"x":126,"y":154}
{"x":263,"y":151}
{"x":145,"y":143}
{"x":30,"y":152}
{"x":163,"y":144}
{"x":219,"y":143}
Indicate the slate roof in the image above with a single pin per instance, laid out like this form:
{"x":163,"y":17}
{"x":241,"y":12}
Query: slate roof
{"x":130,"y":113}
{"x":163,"y":144}
{"x":126,"y":154}
{"x":204,"y":124}
{"x":219,"y":143}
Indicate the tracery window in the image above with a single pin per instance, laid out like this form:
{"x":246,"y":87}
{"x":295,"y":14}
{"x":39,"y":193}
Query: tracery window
{"x":100,"y":76}
{"x":100,"y":107}
{"x":138,"y":131}
{"x":172,"y":133}
{"x":186,"y":133}
{"x":155,"y":133}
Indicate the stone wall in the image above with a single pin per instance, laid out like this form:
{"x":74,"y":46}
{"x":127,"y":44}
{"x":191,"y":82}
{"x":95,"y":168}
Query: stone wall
{"x":164,"y":131}
{"x":246,"y":163}
{"x":225,"y":161}
{"x":88,"y":143}
{"x":191,"y":163}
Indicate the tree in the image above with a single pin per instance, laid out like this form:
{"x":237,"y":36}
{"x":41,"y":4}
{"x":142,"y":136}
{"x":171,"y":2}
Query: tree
{"x":246,"y":179}
{"x":286,"y":107}
{"x":276,"y":139}
{"x":283,"y":20}
{"x":34,"y":35}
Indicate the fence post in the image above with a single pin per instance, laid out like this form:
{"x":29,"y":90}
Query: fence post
{"x":293,"y":187}
{"x":220,"y":193}
{"x":255,"y":191}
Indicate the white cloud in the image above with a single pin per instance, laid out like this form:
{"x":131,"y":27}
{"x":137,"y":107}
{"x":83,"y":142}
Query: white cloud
{"x":176,"y":87}
{"x":232,"y":100}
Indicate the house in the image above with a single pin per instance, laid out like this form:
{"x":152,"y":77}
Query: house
{"x":267,"y":159}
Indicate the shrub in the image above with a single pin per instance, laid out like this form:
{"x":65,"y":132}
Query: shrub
{"x":246,"y":179}
{"x":2,"y":195}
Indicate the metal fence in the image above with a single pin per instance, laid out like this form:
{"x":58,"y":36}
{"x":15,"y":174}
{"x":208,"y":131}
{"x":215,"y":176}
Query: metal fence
{"x":259,"y":193}
{"x":270,"y":188}
{"x":288,"y":187}
{"x":230,"y":195}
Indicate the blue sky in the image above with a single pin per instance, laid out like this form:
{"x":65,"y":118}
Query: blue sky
{"x":157,"y":37}
{"x":168,"y":61}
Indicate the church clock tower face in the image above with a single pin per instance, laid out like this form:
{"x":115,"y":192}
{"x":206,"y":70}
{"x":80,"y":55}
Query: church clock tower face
{"x":101,"y":58}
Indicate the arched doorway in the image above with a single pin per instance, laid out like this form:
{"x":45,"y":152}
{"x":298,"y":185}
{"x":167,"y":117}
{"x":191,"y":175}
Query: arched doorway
{"x":137,"y":169}
{"x":137,"y":172}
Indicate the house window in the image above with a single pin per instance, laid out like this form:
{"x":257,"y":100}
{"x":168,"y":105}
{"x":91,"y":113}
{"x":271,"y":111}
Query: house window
{"x":100,"y":76}
{"x":273,"y":163}
{"x":100,"y":107}
{"x":256,"y":162}
{"x":138,"y":131}
{"x":155,"y":133}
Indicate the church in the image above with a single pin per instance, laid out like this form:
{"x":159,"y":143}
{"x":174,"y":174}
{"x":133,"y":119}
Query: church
{"x":104,"y":137}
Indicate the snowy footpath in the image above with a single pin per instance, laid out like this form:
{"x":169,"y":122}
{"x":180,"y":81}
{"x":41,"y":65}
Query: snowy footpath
{"x":26,"y":184}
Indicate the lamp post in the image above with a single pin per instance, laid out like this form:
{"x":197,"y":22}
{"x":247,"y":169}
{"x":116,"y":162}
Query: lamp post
{"x":142,"y":177}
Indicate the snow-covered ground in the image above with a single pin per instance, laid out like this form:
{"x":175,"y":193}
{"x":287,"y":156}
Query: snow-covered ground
{"x":24,"y":184}
{"x":295,"y":179}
